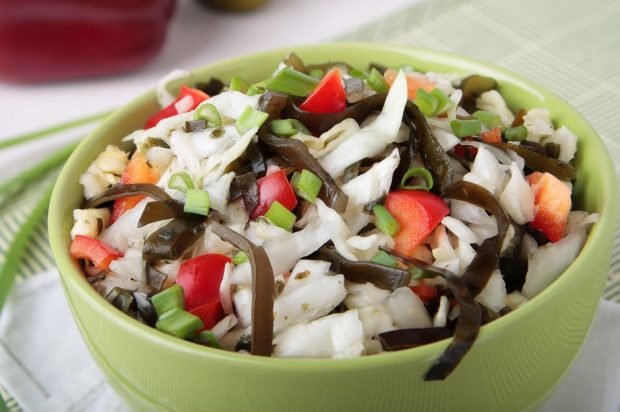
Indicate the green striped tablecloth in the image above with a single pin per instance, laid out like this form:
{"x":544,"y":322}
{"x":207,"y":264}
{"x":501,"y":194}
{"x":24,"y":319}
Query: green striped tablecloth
{"x":571,"y":47}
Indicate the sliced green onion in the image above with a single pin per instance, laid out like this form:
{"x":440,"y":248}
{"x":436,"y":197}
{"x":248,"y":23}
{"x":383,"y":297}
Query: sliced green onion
{"x":250,"y":118}
{"x":291,"y":82}
{"x":209,"y":113}
{"x":444,"y":104}
{"x":377,"y":82}
{"x":462,"y":128}
{"x":417,"y":172}
{"x":179,"y":323}
{"x":206,"y":336}
{"x":181,"y":181}
{"x":385,"y":221}
{"x":197,"y":201}
{"x":256,"y":88}
{"x":384,"y":258}
{"x":515,"y":134}
{"x":419,"y":273}
{"x":317,"y":73}
{"x":426,"y":102}
{"x":288,"y":127}
{"x":237,"y":84}
{"x":307,"y":185}
{"x":12,"y":141}
{"x":358,"y":73}
{"x":490,"y":120}
{"x":280,"y":216}
{"x":168,"y":299}
{"x":239,"y":258}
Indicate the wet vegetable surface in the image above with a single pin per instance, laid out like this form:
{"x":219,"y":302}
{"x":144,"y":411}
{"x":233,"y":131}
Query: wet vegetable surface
{"x":298,"y":155}
{"x":263,"y":288}
{"x":319,"y":123}
{"x":435,"y":158}
{"x":467,"y":325}
{"x":487,"y":257}
{"x":170,"y":241}
{"x":120,"y":191}
{"x":384,"y":277}
{"x":539,"y":162}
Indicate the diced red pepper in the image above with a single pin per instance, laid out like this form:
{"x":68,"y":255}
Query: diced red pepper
{"x":425,"y":292}
{"x":99,"y":253}
{"x":553,"y":203}
{"x":466,"y":152}
{"x":415,"y":81}
{"x":188,"y":99}
{"x":272,"y":187}
{"x":210,"y":313}
{"x":418,"y":213}
{"x":492,"y":136}
{"x":201,"y":278}
{"x":328,"y":96}
{"x":137,"y":171}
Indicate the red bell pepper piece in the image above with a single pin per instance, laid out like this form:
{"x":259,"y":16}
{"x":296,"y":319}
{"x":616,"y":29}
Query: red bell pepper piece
{"x":210,"y":313}
{"x":101,"y":254}
{"x":188,"y":99}
{"x":274,"y":186}
{"x":65,"y":39}
{"x":418,"y":213}
{"x":553,"y":203}
{"x":425,"y":292}
{"x":201,"y":278}
{"x":492,"y":136}
{"x":137,"y":171}
{"x":328,"y":96}
{"x":466,"y":152}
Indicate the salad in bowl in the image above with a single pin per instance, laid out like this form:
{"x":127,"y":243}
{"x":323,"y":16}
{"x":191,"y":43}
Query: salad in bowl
{"x":331,"y":211}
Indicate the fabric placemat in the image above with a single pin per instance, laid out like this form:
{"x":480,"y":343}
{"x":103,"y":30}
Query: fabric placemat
{"x":571,"y":48}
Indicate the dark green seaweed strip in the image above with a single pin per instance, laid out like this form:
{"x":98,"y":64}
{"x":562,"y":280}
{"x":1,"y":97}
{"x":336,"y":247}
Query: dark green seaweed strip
{"x":435,"y":158}
{"x":263,"y":288}
{"x":487,"y":257}
{"x":384,"y":277}
{"x":298,"y":155}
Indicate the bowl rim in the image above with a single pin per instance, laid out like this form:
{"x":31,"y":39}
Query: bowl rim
{"x":72,"y":277}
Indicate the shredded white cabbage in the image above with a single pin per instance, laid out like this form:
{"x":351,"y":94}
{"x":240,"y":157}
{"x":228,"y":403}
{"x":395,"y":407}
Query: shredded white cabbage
{"x":538,"y":124}
{"x":309,"y":293}
{"x":366,"y":188}
{"x":492,"y":101}
{"x":339,"y":335}
{"x":517,"y":198}
{"x":372,"y":139}
{"x":493,"y":296}
{"x":104,"y":171}
{"x":89,"y":222}
{"x":485,"y":171}
{"x":319,"y":147}
{"x":164,"y":97}
{"x":547,"y":262}
{"x":567,"y":142}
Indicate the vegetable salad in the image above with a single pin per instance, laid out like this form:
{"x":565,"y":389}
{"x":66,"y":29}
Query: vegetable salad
{"x":330,"y":211}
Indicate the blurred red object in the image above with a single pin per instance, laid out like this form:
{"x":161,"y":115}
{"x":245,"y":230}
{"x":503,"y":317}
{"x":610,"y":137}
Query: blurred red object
{"x":44,"y":40}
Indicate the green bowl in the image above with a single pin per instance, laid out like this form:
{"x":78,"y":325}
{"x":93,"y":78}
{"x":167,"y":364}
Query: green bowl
{"x":514,"y":365}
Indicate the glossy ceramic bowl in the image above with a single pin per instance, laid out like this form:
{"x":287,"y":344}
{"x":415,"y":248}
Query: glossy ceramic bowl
{"x":514,"y":364}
